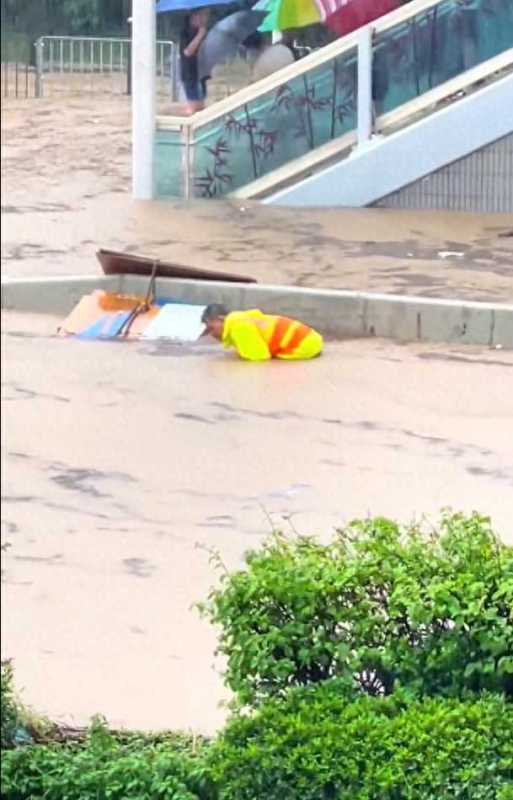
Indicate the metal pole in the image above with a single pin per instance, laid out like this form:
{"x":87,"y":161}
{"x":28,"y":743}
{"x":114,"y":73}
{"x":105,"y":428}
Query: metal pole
{"x":143,"y":98}
{"x":39,"y":45}
{"x":364,"y":105}
{"x":129,"y":70}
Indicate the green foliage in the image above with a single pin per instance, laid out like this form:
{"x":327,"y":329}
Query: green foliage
{"x":62,"y":17}
{"x":105,"y":768}
{"x":379,"y":608}
{"x":8,"y":706}
{"x":315,"y":746}
{"x":82,"y":15}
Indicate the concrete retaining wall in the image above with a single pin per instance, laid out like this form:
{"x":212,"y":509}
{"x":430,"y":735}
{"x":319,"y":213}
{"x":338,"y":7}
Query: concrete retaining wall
{"x":337,"y":314}
{"x":52,"y":295}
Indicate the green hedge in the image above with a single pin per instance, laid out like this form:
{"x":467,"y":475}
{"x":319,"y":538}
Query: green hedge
{"x":366,"y":661}
{"x":8,"y":707}
{"x":316,"y":746}
{"x":379,"y":607}
{"x":105,"y":768}
{"x":313,"y":745}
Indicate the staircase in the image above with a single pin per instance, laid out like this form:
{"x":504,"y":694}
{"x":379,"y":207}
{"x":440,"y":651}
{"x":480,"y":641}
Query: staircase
{"x":364,"y":119}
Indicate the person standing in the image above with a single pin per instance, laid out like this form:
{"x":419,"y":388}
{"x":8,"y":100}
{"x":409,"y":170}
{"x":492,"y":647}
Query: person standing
{"x":191,"y":37}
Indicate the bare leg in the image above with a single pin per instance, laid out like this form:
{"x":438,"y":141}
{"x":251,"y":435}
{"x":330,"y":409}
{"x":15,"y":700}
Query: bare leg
{"x":183,"y":109}
{"x":195,"y":105}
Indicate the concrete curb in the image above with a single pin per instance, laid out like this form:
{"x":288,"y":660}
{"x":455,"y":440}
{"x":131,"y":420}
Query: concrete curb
{"x":336,"y":313}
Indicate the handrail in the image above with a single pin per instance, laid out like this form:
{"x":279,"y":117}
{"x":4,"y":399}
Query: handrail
{"x":99,"y":39}
{"x":301,"y":67}
{"x":385,"y":123}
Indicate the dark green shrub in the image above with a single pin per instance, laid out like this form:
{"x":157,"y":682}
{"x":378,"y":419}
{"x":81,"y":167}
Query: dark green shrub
{"x":8,"y":706}
{"x":104,"y":768}
{"x":313,"y":745}
{"x":379,"y":607}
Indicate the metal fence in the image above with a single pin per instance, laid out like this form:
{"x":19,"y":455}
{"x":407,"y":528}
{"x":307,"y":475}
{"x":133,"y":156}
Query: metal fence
{"x":17,"y":80}
{"x":81,"y":64}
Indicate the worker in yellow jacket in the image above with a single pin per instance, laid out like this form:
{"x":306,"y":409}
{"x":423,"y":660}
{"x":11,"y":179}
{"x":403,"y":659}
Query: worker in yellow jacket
{"x":259,"y":337}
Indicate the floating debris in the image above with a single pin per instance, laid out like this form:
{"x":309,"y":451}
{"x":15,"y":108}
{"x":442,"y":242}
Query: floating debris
{"x":450,"y":254}
{"x":103,"y":315}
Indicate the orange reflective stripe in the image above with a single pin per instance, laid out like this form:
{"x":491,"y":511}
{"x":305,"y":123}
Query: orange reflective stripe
{"x":297,"y":337}
{"x":280,"y":329}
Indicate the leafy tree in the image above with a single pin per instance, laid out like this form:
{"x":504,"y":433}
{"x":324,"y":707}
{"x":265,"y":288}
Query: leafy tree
{"x":65,"y":16}
{"x":380,"y":607}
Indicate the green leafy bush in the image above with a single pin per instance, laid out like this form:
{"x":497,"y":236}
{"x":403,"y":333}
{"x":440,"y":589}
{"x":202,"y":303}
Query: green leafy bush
{"x":315,"y":746}
{"x":8,"y":707}
{"x":105,"y":768}
{"x":379,"y":607}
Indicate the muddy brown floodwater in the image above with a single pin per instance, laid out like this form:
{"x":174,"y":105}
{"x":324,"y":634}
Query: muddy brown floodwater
{"x":123,"y":463}
{"x":65,"y":182}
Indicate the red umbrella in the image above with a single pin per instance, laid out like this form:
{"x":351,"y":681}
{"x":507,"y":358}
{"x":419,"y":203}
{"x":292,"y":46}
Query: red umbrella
{"x":355,"y":13}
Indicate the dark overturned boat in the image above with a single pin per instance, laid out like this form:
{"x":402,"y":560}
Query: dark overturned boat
{"x":115,"y":263}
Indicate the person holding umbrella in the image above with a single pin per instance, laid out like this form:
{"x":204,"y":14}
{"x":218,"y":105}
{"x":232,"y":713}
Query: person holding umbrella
{"x":199,"y":52}
{"x":191,"y":38}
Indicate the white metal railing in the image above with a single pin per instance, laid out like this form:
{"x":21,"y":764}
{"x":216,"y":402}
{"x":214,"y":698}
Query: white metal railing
{"x":382,"y":124}
{"x":59,"y":56}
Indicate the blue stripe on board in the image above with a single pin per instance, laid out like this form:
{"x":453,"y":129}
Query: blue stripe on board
{"x":102,"y":329}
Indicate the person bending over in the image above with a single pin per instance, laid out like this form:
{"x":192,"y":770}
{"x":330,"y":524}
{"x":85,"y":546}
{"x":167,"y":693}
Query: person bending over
{"x":259,"y":337}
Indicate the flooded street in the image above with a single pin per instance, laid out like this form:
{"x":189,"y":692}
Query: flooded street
{"x":124,"y":463}
{"x":66,"y":182}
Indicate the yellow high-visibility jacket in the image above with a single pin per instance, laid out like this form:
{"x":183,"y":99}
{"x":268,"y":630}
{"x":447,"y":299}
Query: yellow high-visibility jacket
{"x":259,"y":337}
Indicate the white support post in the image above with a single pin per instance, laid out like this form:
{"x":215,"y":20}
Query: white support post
{"x":143,"y":97}
{"x":175,"y":67}
{"x":364,"y":85}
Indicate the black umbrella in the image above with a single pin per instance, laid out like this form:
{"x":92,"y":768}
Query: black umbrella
{"x":223,"y":41}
